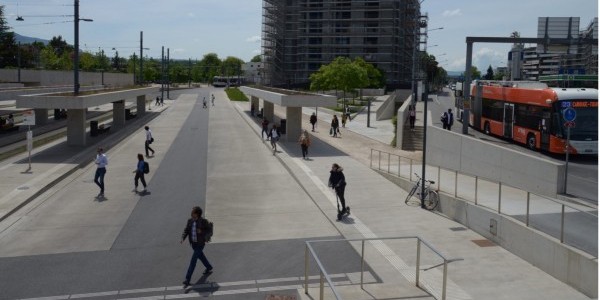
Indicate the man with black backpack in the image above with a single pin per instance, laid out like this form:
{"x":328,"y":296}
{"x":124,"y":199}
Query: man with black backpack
{"x":198,"y":231}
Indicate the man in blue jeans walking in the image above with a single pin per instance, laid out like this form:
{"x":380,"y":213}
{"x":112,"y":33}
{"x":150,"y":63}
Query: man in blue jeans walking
{"x":196,"y":231}
{"x":101,"y":161}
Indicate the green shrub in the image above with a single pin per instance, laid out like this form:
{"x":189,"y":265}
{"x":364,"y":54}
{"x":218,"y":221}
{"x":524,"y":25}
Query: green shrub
{"x":235,"y":94}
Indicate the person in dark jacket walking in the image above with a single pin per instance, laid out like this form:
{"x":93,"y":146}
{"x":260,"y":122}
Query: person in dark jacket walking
{"x":313,"y":121}
{"x":265,"y":128}
{"x":335,"y":126}
{"x":139,"y":173}
{"x":337,"y":181}
{"x":195,"y":231}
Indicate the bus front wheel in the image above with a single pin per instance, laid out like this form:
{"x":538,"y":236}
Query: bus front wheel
{"x":486,"y":128}
{"x":531,"y":141}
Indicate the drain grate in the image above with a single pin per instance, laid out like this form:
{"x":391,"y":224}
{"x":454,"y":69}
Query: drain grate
{"x":280,"y":297}
{"x":483,"y":243}
{"x":458,"y":228}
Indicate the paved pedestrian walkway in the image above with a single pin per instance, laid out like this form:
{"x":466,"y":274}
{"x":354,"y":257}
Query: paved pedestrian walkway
{"x":255,"y":196}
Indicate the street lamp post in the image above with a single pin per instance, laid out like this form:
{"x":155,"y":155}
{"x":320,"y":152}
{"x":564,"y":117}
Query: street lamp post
{"x":76,"y":56}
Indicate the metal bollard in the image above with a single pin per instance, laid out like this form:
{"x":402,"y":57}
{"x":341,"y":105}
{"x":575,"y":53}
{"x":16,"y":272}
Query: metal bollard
{"x":562,"y":224}
{"x":476,"y":185}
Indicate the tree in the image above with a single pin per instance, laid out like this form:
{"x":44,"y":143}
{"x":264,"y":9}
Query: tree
{"x":232,"y":66}
{"x":490,"y":73}
{"x":59,"y":45}
{"x":207,"y":68}
{"x":374,"y":76}
{"x":8,"y":46}
{"x":475,"y":74}
{"x":256,"y":58}
{"x":340,"y":74}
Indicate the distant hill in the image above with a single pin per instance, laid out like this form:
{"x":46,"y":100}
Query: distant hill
{"x":29,"y":40}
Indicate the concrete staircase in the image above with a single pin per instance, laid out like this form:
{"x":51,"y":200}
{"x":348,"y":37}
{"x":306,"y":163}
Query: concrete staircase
{"x":412,"y":140}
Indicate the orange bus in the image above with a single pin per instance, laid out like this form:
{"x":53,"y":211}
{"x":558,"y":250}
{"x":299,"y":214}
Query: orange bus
{"x":531,"y":113}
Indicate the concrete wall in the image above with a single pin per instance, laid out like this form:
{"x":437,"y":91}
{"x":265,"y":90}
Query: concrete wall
{"x":402,"y":115}
{"x":472,"y":156}
{"x":49,"y":77}
{"x":569,"y":265}
{"x":387,"y":110}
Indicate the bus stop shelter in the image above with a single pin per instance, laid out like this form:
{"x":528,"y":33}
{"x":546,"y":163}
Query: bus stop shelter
{"x":77,"y":107}
{"x":293,"y":101}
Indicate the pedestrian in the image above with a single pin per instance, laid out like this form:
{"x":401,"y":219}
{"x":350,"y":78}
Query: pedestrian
{"x":347,"y":113}
{"x":139,"y":171}
{"x":157,"y":101}
{"x":313,"y":121}
{"x":444,"y":119}
{"x":204,"y":102}
{"x":265,"y":128}
{"x":274,"y":134}
{"x":101,"y":162}
{"x":212,"y":99}
{"x":197,"y":231}
{"x":252,"y":109}
{"x":412,"y":115}
{"x":149,"y":140}
{"x":162,"y":101}
{"x":335,"y":124}
{"x":344,"y":117}
{"x":304,"y":142}
{"x":10,"y":121}
{"x":450,"y":119}
{"x":337,"y":181}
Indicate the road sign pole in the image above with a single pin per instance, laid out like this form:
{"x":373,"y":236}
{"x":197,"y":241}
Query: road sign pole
{"x":567,"y":157}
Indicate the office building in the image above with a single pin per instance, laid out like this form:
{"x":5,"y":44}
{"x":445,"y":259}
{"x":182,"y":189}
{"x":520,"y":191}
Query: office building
{"x":299,"y":36}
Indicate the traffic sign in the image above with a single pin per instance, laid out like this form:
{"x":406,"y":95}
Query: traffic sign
{"x":570,"y":124}
{"x":569,"y":114}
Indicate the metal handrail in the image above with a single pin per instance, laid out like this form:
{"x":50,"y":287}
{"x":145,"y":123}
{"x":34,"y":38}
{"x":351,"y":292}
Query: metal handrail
{"x":500,"y":185}
{"x":325,"y":275}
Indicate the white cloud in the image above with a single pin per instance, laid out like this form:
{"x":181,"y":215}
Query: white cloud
{"x":452,"y":13}
{"x":256,"y":51}
{"x":253,"y":39}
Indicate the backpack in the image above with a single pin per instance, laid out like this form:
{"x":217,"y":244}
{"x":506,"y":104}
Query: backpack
{"x":146,"y":167}
{"x":207,"y":230}
{"x":444,"y":118}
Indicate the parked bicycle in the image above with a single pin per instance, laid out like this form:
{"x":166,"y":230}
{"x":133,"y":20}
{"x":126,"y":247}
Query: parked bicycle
{"x":431,"y":196}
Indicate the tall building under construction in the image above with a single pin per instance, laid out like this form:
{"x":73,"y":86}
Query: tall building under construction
{"x":298,"y":36}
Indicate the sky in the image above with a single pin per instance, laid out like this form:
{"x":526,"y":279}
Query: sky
{"x":193,"y":28}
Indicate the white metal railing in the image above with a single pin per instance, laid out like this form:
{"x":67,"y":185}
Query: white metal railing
{"x":324,"y":276}
{"x":512,"y":197}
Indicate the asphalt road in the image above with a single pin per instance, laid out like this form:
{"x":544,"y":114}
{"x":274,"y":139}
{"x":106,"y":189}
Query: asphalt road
{"x":582,"y":180}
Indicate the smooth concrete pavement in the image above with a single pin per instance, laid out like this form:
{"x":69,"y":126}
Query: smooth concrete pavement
{"x":66,"y":244}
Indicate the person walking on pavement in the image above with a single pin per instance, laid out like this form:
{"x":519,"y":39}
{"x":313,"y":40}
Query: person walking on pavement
{"x":335,"y":125}
{"x":444,"y":119}
{"x":412,"y":116}
{"x":212,"y":99}
{"x":304,"y":143}
{"x":450,"y":121}
{"x":101,"y":162}
{"x":204,"y":102}
{"x":157,"y":101}
{"x":313,"y":121}
{"x":344,"y":118}
{"x":265,"y":128}
{"x":274,"y":134}
{"x":196,"y":231}
{"x":162,"y":101}
{"x":139,"y":171}
{"x":149,"y":140}
{"x":337,"y":181}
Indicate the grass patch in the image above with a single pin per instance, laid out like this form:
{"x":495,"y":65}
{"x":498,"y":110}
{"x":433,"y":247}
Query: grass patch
{"x":235,"y":94}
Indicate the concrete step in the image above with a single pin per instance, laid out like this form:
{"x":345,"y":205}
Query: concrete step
{"x":369,"y":292}
{"x":413,"y":139}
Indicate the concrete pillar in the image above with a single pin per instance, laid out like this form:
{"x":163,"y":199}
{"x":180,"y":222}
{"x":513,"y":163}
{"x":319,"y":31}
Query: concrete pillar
{"x":41,"y":116}
{"x":76,"y":129}
{"x":293,"y":117}
{"x":269,"y":110}
{"x":254,"y":101}
{"x":141,"y":105}
{"x":118,"y":114}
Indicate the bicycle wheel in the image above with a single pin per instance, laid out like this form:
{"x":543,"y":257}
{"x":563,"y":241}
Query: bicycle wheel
{"x":409,"y":198}
{"x":431,"y":200}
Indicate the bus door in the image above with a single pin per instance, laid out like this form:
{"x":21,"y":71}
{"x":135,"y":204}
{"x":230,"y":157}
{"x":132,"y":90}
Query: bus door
{"x":545,"y":130}
{"x":509,"y":116}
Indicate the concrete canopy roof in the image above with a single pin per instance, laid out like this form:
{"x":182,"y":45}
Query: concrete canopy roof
{"x":58,"y":100}
{"x":290,"y":98}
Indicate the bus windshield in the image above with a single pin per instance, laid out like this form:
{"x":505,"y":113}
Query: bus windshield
{"x":586,"y":120}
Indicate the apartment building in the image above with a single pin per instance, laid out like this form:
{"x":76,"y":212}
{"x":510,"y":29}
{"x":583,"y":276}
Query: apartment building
{"x":299,"y":36}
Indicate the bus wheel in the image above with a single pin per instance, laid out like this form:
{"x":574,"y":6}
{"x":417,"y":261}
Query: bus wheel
{"x":486,"y":128}
{"x":531,"y":141}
